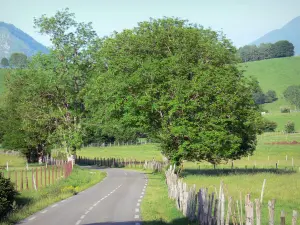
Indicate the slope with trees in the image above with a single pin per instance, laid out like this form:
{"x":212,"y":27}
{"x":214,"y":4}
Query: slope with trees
{"x":266,"y":51}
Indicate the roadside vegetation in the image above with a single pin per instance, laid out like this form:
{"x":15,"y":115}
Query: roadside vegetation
{"x":29,"y":202}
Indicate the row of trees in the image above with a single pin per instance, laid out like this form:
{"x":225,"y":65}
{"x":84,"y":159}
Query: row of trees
{"x":16,"y":60}
{"x":266,"y":51}
{"x":166,"y":79}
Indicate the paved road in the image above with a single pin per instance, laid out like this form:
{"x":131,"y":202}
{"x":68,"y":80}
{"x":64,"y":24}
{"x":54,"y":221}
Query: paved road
{"x":115,"y":200}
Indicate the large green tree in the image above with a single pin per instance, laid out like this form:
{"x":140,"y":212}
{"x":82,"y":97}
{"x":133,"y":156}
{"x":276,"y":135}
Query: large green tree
{"x":18,"y":60}
{"x":292,"y":95}
{"x":46,"y":96}
{"x":4,"y":62}
{"x":178,"y":83}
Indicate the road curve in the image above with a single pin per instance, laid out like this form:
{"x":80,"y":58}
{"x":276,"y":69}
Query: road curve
{"x":115,"y":200}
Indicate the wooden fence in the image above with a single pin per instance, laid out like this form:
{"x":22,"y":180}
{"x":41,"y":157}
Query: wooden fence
{"x":35,"y":178}
{"x":209,"y":209}
{"x":119,"y":163}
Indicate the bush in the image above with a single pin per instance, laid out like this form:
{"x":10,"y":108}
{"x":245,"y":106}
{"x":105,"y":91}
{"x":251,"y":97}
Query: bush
{"x":270,"y":96}
{"x":285,"y":110}
{"x":7,"y":196}
{"x":268,"y":126}
{"x":289,"y":127}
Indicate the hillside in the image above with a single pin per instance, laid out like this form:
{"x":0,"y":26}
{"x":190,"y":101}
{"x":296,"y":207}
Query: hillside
{"x":277,"y":74}
{"x":290,"y":32}
{"x":13,"y":39}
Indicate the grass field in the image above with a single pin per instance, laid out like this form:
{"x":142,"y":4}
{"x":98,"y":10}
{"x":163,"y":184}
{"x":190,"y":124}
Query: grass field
{"x":29,"y":202}
{"x":13,"y":161}
{"x":138,"y":152}
{"x":282,"y":185}
{"x":282,"y":118}
{"x":275,"y":74}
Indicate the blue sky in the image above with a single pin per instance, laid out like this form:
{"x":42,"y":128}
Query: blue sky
{"x":242,"y":21}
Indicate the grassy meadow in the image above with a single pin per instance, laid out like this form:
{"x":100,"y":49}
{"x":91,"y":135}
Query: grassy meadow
{"x":275,"y":74}
{"x":138,"y":152}
{"x":14,"y":161}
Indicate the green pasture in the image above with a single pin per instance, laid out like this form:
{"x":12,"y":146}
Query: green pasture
{"x":138,"y":152}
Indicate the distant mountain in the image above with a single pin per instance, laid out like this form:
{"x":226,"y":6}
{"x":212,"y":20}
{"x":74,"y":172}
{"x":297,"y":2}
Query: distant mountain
{"x":290,"y":32}
{"x":13,"y":40}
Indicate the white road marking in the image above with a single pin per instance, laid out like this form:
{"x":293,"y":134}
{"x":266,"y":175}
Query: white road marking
{"x":137,"y":210}
{"x":141,"y":196}
{"x":143,"y":193}
{"x":139,"y":200}
{"x":138,"y":204}
{"x":63,"y":200}
{"x":78,"y":222}
{"x":54,"y":206}
{"x":82,"y":216}
{"x":90,"y":208}
{"x":32,"y":218}
{"x":86,"y":212}
{"x":44,"y":211}
{"x":136,"y":217}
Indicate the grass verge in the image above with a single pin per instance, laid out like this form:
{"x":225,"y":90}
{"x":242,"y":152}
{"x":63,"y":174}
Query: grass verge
{"x":156,"y":207}
{"x":29,"y":202}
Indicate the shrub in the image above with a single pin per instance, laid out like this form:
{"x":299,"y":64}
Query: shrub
{"x":285,"y":110}
{"x":7,"y":196}
{"x":268,"y":126}
{"x":289,"y":127}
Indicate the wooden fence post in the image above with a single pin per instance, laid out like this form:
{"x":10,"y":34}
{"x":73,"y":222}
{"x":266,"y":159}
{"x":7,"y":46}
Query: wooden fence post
{"x":294,"y":218}
{"x":258,"y":211}
{"x":282,"y":218}
{"x":249,"y":210}
{"x":52,"y":174}
{"x":271,"y":206}
{"x":27,"y":186}
{"x":36,"y":178}
{"x":45,"y":174}
{"x":228,"y":211}
{"x":41,"y":168}
{"x":21,"y":184}
{"x":16,"y":179}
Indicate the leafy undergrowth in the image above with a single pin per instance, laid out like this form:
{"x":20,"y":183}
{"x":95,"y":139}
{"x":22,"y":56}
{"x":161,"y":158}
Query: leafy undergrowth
{"x":29,"y":202}
{"x":156,"y":207}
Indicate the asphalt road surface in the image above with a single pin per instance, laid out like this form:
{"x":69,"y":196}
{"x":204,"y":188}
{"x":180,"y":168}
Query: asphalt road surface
{"x":115,"y":201}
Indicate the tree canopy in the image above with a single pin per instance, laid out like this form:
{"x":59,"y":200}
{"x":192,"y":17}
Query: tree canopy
{"x":292,"y":95}
{"x":4,"y":62}
{"x":266,"y":51}
{"x":45,"y":96}
{"x":18,"y":60}
{"x":178,"y":83}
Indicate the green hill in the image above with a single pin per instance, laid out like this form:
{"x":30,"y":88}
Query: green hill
{"x":277,"y":74}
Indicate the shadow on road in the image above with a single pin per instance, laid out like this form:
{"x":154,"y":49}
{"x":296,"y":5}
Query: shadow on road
{"x":181,"y":221}
{"x":234,"y":171}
